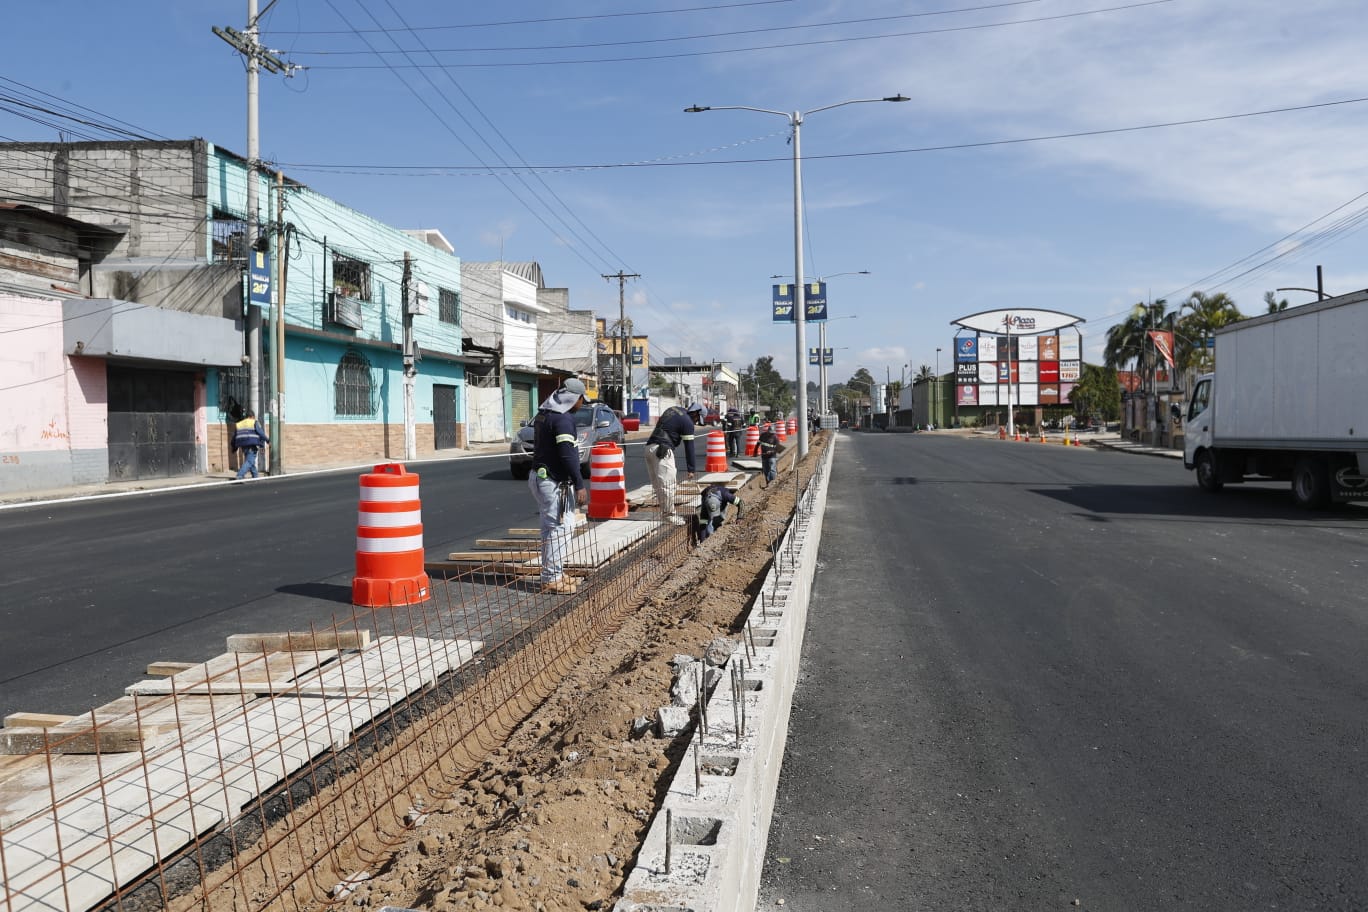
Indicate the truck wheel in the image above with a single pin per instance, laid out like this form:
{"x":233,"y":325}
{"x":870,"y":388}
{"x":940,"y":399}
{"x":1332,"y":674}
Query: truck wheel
{"x":1311,"y":483}
{"x":1208,"y":473}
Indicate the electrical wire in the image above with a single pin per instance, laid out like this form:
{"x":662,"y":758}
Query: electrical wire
{"x":816,"y":42}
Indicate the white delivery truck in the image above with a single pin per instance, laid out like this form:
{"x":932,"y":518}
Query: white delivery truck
{"x":1288,"y":401}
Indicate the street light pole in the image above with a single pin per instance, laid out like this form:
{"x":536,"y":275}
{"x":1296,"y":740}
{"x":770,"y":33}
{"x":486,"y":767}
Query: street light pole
{"x":795,"y":120}
{"x":935,"y":389}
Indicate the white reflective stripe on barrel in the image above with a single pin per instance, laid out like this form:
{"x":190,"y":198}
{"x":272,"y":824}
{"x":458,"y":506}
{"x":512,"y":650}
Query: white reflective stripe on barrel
{"x":389,"y":545}
{"x":368,"y":520}
{"x":389,"y":495}
{"x":606,"y":486}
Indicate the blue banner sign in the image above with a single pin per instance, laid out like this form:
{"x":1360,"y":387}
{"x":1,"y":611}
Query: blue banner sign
{"x":259,"y":279}
{"x":814,"y":301}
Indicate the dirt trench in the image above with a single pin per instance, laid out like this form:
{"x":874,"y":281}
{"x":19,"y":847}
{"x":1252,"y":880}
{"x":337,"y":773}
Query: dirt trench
{"x":553,"y":817}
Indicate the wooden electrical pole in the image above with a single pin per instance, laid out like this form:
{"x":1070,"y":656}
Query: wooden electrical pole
{"x":622,"y":278}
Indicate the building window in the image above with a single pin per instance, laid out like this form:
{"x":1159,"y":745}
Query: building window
{"x":351,"y":277}
{"x":234,"y":391}
{"x":448,"y":306}
{"x":352,"y":392}
{"x":522,"y":316}
{"x":230,"y":238}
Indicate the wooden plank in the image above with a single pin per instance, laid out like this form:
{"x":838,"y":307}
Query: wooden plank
{"x":502,"y":543}
{"x":113,"y":739}
{"x":169,"y":668}
{"x":506,"y":554}
{"x":299,"y":641}
{"x":34,"y":720}
{"x":161,"y":688}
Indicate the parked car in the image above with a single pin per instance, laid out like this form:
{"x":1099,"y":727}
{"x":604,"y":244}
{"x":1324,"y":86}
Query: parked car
{"x":595,"y":422}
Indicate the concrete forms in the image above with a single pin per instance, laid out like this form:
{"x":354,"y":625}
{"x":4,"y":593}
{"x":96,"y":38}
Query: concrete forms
{"x":705,"y":849}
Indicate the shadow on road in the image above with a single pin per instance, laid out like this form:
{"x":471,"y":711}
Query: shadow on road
{"x":329,"y":592}
{"x":1257,"y":501}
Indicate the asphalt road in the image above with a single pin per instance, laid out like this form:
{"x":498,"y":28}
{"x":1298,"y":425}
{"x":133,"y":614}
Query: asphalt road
{"x":1057,"y":678}
{"x":92,"y":591}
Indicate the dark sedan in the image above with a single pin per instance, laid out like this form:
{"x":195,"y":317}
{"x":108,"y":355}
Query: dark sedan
{"x":595,"y":422}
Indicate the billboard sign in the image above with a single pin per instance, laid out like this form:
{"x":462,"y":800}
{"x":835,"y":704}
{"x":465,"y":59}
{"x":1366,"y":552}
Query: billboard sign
{"x":1024,"y":322}
{"x":967,"y":394}
{"x":1070,"y":371}
{"x":988,"y":348}
{"x":1070,"y":347}
{"x":814,"y":302}
{"x":966,"y":348}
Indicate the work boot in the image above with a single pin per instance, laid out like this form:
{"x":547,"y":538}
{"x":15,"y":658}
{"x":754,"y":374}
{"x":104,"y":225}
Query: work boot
{"x":561,"y":585}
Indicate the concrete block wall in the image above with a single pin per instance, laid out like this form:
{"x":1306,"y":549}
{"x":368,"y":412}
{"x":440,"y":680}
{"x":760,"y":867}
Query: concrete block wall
{"x":715,"y":827}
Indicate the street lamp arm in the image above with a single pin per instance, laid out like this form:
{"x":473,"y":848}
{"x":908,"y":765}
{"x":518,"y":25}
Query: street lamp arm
{"x":898,"y":97}
{"x":699,"y":109}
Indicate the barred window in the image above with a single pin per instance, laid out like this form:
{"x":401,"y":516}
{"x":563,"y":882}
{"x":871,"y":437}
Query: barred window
{"x":234,"y":390}
{"x":229,"y":238}
{"x":351,"y":277}
{"x":448,"y":306}
{"x":352,"y":392}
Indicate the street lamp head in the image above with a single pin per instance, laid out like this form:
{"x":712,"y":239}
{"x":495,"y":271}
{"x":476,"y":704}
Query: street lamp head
{"x":696,"y":109}
{"x":898,"y":97}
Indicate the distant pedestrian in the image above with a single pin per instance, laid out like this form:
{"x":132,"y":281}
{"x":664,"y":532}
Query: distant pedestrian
{"x":555,"y":482}
{"x":769,"y":453}
{"x":715,"y":499}
{"x":676,"y":426}
{"x":248,"y":438}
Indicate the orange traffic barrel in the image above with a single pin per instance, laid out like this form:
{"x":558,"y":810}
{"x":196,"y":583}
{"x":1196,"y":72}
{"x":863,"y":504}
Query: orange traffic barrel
{"x":717,"y":452}
{"x":607,"y":481}
{"x":753,"y":440}
{"x":389,"y":540}
{"x":792,"y":426}
{"x":781,"y":430}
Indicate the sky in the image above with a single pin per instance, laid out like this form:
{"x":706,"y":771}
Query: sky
{"x":1070,"y":155}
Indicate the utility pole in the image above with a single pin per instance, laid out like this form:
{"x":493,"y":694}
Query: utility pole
{"x":246,"y":44}
{"x":622,"y":278}
{"x":278,"y":343}
{"x":408,"y":294}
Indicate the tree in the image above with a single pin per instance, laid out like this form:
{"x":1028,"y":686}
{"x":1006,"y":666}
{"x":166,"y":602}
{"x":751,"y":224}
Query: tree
{"x":1098,"y":392}
{"x":773,"y":390}
{"x":924,"y":372}
{"x":1273,"y":304}
{"x":1208,"y":313}
{"x":1128,"y":342}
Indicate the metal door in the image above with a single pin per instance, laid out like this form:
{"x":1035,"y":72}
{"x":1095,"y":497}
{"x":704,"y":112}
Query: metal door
{"x":151,"y":423}
{"x":443,"y":417}
{"x":522,"y":403}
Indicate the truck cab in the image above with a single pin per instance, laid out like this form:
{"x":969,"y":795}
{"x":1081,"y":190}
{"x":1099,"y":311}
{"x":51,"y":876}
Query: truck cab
{"x":1197,"y":425}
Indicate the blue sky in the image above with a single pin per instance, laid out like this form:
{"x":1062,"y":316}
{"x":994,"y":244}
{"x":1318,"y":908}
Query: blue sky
{"x":934,"y":197}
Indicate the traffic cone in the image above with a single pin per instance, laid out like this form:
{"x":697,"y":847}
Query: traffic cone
{"x":1076,"y":443}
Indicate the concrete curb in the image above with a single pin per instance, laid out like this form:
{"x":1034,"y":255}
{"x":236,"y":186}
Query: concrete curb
{"x":713,"y":827}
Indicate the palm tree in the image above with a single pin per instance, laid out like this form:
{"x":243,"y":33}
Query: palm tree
{"x":1209,"y":312}
{"x":1274,"y":305}
{"x":1127,"y":342}
{"x":924,"y":373}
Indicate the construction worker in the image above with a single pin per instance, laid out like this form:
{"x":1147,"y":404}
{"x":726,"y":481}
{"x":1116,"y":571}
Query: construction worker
{"x":769,"y":453}
{"x":555,"y":482}
{"x":676,"y":426}
{"x":754,"y":420}
{"x":734,"y":426}
{"x":248,"y":438}
{"x":710,"y":514}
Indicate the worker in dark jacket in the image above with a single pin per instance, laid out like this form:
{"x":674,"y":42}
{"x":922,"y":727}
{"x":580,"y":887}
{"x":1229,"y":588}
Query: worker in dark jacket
{"x":555,"y":481}
{"x":769,"y":453}
{"x":248,"y":438}
{"x":734,"y":426}
{"x":715,"y":499}
{"x":676,"y":426}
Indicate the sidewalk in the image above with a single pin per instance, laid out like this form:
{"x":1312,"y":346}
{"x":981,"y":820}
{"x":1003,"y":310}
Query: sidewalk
{"x":118,"y":488}
{"x":1110,"y":440}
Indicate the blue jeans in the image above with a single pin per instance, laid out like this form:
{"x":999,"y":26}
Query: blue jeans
{"x":248,"y":461}
{"x":768,"y":465}
{"x":557,"y":525}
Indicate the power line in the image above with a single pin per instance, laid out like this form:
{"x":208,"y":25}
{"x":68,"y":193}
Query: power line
{"x":816,"y":42}
{"x":674,"y":38}
{"x":540,"y":21}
